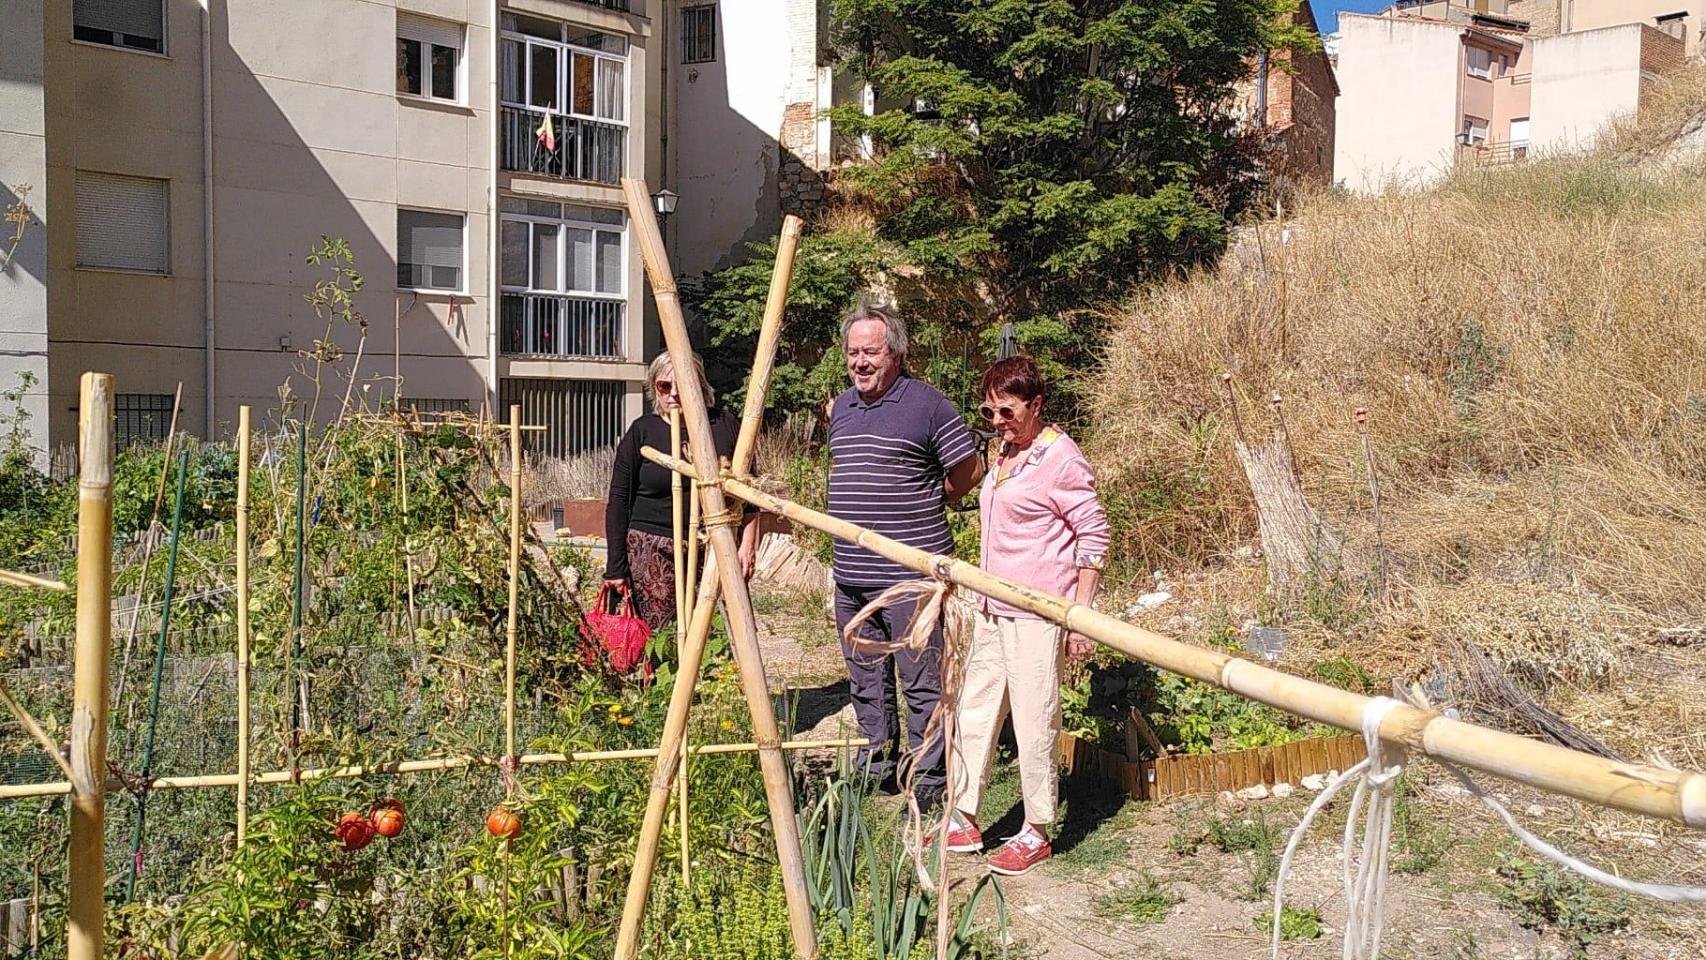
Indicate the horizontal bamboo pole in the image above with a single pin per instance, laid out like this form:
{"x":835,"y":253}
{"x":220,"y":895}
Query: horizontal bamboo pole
{"x":438,"y":764}
{"x":36,"y":731}
{"x":14,"y":579}
{"x":1637,"y":788}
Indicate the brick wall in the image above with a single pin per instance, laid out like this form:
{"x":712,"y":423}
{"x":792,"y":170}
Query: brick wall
{"x":1659,"y":50}
{"x":1542,"y":16}
{"x":1301,"y":116}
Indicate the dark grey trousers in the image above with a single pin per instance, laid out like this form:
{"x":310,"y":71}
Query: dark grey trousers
{"x":871,"y":681}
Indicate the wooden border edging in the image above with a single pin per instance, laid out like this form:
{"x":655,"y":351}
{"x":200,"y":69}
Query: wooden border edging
{"x":1184,"y":775}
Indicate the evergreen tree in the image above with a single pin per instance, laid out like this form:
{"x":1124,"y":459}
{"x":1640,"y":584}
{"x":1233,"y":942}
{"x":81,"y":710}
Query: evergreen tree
{"x":1032,"y":160}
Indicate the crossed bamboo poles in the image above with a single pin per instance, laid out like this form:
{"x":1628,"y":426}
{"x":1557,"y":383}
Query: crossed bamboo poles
{"x":1674,"y":795}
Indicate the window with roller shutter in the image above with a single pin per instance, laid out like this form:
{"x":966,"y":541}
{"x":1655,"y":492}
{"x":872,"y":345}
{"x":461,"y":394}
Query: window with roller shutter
{"x":128,"y":24}
{"x":121,"y":222}
{"x":429,"y":251}
{"x":429,"y":58}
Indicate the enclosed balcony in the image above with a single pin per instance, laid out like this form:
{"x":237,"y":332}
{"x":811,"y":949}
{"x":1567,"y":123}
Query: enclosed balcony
{"x":577,"y":148}
{"x":564,"y":326}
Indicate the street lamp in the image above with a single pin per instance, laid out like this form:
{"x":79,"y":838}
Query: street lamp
{"x":664,"y":202}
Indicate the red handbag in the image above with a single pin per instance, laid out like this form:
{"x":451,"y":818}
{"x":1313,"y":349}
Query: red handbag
{"x":622,"y":636}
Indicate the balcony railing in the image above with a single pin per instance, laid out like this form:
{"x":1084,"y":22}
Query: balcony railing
{"x":1493,"y":154}
{"x":554,"y":325}
{"x":585,"y":149}
{"x":621,"y":5}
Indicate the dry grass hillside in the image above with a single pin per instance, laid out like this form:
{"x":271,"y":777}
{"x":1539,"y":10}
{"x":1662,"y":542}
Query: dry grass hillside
{"x":1530,"y":344}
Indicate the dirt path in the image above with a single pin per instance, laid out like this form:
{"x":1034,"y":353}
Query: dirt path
{"x":1191,"y":879}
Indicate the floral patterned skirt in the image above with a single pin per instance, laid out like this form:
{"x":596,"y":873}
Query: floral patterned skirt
{"x":651,"y":574}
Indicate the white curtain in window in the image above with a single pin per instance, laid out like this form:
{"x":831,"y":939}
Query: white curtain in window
{"x":545,"y":254}
{"x":611,"y":89}
{"x":609,"y":262}
{"x":432,"y":241}
{"x":512,"y":253}
{"x":121,"y":222}
{"x":138,"y":18}
{"x":580,"y":260}
{"x":512,"y":70}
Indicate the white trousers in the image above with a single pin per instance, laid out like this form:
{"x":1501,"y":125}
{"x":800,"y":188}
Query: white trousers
{"x":1014,"y":663}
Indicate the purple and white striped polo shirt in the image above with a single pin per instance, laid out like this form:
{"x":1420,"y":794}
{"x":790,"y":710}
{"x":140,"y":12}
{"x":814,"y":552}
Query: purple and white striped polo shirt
{"x":888,"y":460}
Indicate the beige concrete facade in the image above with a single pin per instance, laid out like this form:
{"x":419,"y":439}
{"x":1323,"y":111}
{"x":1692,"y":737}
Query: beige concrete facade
{"x":1584,"y":80}
{"x":1399,"y":112}
{"x":1422,"y":94}
{"x":310,"y":136}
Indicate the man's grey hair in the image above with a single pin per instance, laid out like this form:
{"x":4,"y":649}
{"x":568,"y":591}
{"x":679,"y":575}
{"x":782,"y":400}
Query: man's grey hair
{"x":661,"y":364}
{"x":890,"y":320}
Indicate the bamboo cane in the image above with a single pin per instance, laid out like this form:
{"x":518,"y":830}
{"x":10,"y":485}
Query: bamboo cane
{"x":215,"y":781}
{"x":769,"y":335}
{"x":742,"y":623}
{"x":682,"y":616}
{"x":12,"y":579}
{"x":299,"y":696}
{"x":514,"y":578}
{"x":1636,"y":788}
{"x":242,"y":623}
{"x":694,"y":547}
{"x":86,"y":884}
{"x":35,"y":730}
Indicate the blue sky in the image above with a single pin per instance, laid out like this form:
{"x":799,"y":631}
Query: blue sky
{"x":1327,"y":11}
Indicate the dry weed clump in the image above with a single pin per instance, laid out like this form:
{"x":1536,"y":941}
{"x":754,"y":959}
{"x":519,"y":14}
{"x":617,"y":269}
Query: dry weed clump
{"x":1530,"y":345}
{"x":1540,"y":635}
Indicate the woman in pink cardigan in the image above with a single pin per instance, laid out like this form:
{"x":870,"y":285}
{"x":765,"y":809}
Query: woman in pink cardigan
{"x":1044,"y":527}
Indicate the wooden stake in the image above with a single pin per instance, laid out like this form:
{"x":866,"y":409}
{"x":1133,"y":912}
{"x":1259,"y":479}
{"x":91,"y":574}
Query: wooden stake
{"x":1651,"y":791}
{"x":12,"y":579}
{"x":769,"y":335}
{"x":690,"y":589}
{"x":514,"y":578}
{"x":242,"y":623}
{"x":86,"y":892}
{"x":682,"y":615}
{"x":743,"y":626}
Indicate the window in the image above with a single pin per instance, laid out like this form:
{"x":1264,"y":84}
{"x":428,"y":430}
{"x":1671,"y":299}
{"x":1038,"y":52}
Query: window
{"x":121,"y":222}
{"x":546,"y":66}
{"x":140,"y":417}
{"x":1480,"y":62}
{"x":1474,"y":131}
{"x":429,"y":251}
{"x":578,"y":415}
{"x":429,"y":58}
{"x":131,"y":24}
{"x":1519,"y":138}
{"x":547,"y":247}
{"x":699,"y":34}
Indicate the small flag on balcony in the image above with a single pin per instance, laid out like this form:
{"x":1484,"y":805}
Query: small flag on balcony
{"x":547,"y":135}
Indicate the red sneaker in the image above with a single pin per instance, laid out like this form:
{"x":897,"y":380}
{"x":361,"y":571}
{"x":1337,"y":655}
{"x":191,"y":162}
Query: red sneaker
{"x":963,"y":835}
{"x":1018,"y":855}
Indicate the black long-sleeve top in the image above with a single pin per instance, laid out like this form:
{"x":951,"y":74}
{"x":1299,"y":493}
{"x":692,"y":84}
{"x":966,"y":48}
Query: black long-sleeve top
{"x":639,"y":488}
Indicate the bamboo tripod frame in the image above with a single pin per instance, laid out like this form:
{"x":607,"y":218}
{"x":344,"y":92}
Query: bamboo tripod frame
{"x":1667,"y":794}
{"x":722,"y":572}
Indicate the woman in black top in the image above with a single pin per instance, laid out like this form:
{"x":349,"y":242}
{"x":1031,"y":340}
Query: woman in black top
{"x":639,"y":521}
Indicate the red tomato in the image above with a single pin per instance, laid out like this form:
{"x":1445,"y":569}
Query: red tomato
{"x":355,"y":831}
{"x":503,"y":823}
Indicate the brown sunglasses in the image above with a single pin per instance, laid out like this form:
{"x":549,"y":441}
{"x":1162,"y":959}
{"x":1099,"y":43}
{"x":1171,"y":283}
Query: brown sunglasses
{"x":1004,"y":411}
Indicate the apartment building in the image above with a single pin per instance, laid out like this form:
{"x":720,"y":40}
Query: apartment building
{"x":1423,"y":94}
{"x":1681,"y":19}
{"x":171,"y":163}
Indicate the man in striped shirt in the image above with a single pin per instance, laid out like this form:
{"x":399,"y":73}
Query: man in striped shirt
{"x":900,"y":453}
